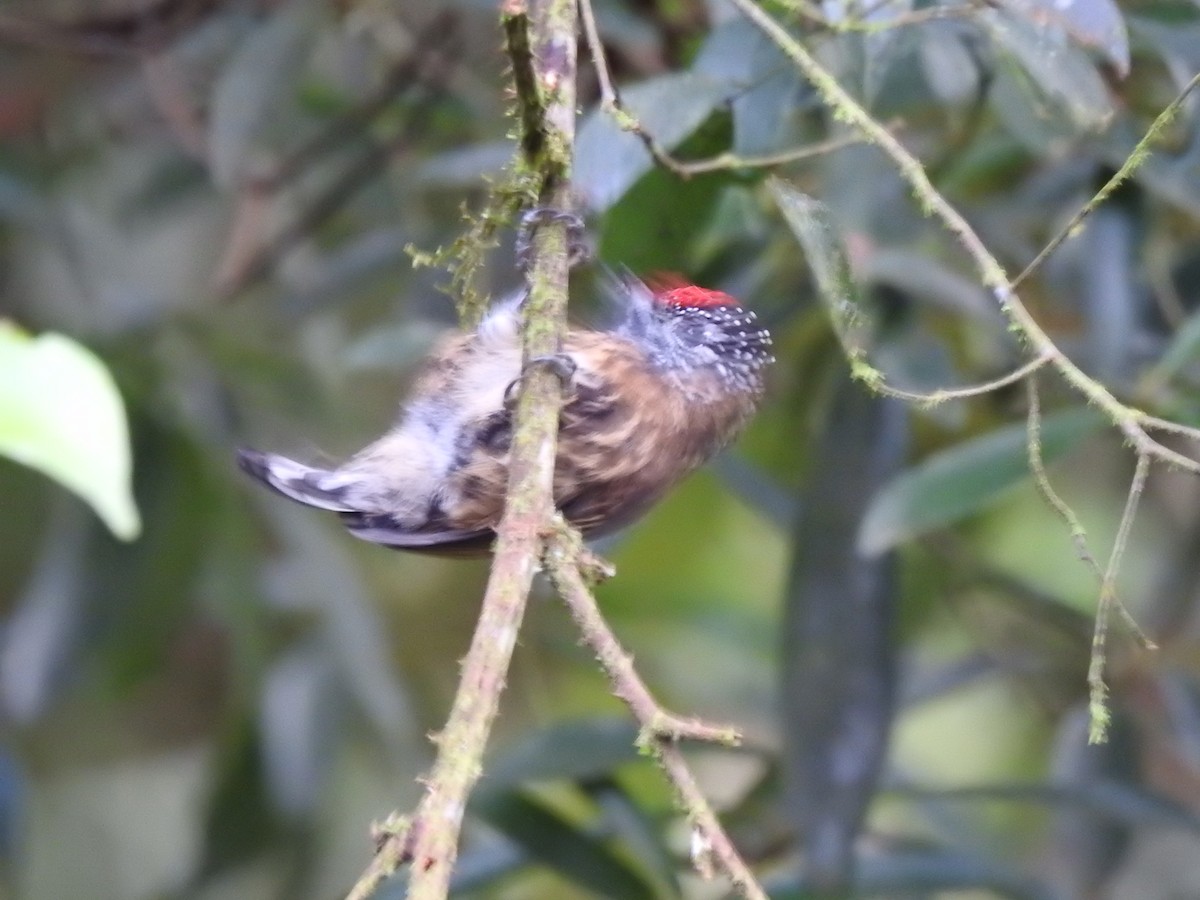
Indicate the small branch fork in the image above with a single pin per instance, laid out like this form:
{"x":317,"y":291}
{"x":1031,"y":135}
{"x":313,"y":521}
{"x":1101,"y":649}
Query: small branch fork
{"x":1135,"y":426}
{"x":566,"y":561}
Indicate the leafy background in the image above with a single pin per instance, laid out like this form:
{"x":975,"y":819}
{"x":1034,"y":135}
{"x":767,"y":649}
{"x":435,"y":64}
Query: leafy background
{"x":214,"y":198}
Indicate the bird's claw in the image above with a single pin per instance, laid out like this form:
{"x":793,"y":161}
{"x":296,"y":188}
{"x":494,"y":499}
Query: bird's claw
{"x":532,"y":219}
{"x":561,"y":364}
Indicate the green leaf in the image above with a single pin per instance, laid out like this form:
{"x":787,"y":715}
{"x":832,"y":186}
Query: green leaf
{"x":583,"y":858}
{"x":1183,"y":350}
{"x":640,"y":831}
{"x":259,"y":78}
{"x":656,"y":223}
{"x":1102,"y":797}
{"x":810,"y":221}
{"x":955,"y":483}
{"x":586,"y":748}
{"x":1093,"y":24}
{"x":923,"y":872}
{"x":609,"y":160}
{"x":1052,"y":90}
{"x":60,"y":413}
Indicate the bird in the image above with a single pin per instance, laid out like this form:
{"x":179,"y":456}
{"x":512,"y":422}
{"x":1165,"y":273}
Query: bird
{"x":646,"y":402}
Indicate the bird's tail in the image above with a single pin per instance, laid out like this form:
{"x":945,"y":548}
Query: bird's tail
{"x":305,"y":484}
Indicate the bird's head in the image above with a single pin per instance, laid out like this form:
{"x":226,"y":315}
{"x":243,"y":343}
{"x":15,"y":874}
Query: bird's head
{"x":687,"y":328}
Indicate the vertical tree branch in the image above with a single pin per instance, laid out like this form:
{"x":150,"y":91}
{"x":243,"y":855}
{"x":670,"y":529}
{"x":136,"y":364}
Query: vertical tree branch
{"x":543,"y":54}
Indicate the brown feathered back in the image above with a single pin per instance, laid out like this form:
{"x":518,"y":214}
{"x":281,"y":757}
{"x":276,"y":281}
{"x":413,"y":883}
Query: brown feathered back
{"x":647,"y":404}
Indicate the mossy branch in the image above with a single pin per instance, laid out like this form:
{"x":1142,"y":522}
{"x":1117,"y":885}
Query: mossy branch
{"x":429,"y":839}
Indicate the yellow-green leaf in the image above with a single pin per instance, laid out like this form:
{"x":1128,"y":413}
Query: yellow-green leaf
{"x":61,"y":413}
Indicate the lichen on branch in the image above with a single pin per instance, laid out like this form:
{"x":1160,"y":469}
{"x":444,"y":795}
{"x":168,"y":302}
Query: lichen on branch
{"x":543,"y":50}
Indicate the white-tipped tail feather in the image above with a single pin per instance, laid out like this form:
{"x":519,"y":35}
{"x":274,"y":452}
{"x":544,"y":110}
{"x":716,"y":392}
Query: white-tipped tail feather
{"x":325,"y":489}
{"x":305,"y":484}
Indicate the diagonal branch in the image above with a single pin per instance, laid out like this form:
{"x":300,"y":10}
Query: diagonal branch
{"x":1098,"y":706}
{"x":248,"y":256}
{"x":991,"y":273}
{"x":711,"y":848}
{"x":1041,"y":479}
{"x":1133,"y":424}
{"x":1138,"y":156}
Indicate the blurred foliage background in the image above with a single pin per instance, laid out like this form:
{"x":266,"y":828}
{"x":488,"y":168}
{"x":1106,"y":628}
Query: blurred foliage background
{"x":215,"y":196}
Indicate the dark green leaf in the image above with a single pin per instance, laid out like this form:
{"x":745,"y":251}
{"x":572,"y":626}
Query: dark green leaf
{"x":1056,"y":91}
{"x":920,"y":873}
{"x":1118,"y":801}
{"x":608,"y":160}
{"x":811,"y":223}
{"x":642,"y":835}
{"x":562,"y":845}
{"x":248,"y":91}
{"x":656,"y":224}
{"x":1094,"y":24}
{"x":588,"y":748}
{"x":958,"y":482}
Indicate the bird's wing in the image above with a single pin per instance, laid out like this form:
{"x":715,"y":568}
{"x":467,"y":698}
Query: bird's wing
{"x":384,"y":530}
{"x":617,"y":436}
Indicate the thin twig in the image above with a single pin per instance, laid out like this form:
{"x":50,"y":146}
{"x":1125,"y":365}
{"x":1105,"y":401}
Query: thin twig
{"x":731,"y":161}
{"x":851,"y":112}
{"x":661,"y":732}
{"x":1098,"y":690}
{"x":1158,"y":424}
{"x":933,"y":398}
{"x":610,"y":97}
{"x":1143,"y":443}
{"x":1037,"y":466}
{"x":591,"y":33}
{"x":991,"y":273}
{"x":430,"y":838}
{"x":611,"y":102}
{"x":1137,"y":156}
{"x":1041,"y":478}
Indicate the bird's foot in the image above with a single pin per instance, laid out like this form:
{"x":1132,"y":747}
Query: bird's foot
{"x":561,"y":364}
{"x":532,"y":219}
